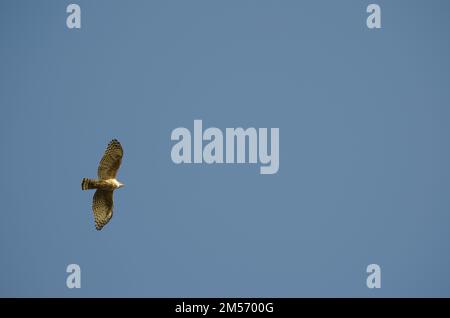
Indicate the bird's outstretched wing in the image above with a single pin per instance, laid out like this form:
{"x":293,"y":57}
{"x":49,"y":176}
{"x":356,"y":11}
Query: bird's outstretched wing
{"x":110,"y":162}
{"x":102,"y":205}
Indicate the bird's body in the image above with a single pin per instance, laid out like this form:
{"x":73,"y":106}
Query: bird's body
{"x":106,"y":183}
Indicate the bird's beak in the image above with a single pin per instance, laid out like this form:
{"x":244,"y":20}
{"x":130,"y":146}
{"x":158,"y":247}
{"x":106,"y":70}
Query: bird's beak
{"x":121,"y":185}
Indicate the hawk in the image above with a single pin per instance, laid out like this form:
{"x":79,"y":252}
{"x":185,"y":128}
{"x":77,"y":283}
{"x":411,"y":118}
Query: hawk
{"x":106,"y":183}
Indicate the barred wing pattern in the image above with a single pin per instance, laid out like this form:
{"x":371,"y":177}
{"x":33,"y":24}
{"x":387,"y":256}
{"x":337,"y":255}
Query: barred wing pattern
{"x":110,"y":162}
{"x":102,"y":206}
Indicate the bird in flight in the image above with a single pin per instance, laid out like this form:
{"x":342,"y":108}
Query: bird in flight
{"x":102,"y":204}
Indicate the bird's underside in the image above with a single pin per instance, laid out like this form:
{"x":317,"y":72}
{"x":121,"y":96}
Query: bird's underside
{"x":107,"y":185}
{"x":102,"y":204}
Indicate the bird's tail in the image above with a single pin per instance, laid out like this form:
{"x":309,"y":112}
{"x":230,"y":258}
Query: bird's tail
{"x":87,"y":184}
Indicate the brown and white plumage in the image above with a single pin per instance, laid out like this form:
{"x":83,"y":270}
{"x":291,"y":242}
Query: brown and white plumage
{"x":103,"y":204}
{"x":111,"y":160}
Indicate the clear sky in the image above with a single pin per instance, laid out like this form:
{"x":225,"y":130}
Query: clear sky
{"x":364,"y":121}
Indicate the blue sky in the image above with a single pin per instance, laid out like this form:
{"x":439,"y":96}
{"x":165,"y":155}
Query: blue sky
{"x":364,"y":148}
